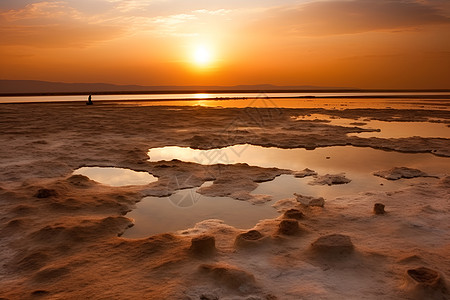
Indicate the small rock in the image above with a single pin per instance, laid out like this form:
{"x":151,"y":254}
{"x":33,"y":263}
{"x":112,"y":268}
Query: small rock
{"x":306,"y":172}
{"x":378,"y":209}
{"x":45,"y":193}
{"x":425,"y":283}
{"x":400,"y":172}
{"x":330,"y":179}
{"x":259,"y":199}
{"x":204,"y":244}
{"x":425,"y":277}
{"x":288,"y":227}
{"x":333,"y":243}
{"x":310,"y":201}
{"x":293,"y":214}
{"x":248,"y":238}
{"x":40,"y":293}
{"x":80,"y":181}
{"x":229,"y":276}
{"x":209,"y":297}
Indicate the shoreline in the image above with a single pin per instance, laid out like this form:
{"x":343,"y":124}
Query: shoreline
{"x":444,"y":98}
{"x":206,"y":91}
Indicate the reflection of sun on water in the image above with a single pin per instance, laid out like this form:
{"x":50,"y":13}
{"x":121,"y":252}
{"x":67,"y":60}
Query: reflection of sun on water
{"x":202,"y":96}
{"x":201,"y":102}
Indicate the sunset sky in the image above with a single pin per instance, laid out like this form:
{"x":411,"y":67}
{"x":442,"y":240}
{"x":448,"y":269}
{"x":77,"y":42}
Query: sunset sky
{"x":343,"y":43}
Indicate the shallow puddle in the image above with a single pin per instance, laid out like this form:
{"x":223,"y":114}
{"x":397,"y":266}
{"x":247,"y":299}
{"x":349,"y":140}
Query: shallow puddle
{"x":285,"y":186}
{"x":386,"y":129}
{"x":185,"y":208}
{"x":405,"y":129}
{"x":264,"y":101}
{"x":354,"y":161}
{"x":116,"y":176}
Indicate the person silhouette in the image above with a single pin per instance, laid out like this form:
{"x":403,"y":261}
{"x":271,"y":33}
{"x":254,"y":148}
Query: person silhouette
{"x":89,"y":102}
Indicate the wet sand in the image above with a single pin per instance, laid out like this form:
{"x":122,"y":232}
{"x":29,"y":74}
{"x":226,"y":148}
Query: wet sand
{"x":60,"y":234}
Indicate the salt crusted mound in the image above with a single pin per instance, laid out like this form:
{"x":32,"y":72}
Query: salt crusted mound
{"x":378,"y":209}
{"x":400,"y":172}
{"x":288,"y":227}
{"x":203,"y":245}
{"x":426,"y":283}
{"x":250,"y":238}
{"x":229,"y":276}
{"x":306,"y":172}
{"x":226,"y":185}
{"x":333,"y":244}
{"x":330,"y":179}
{"x":293,"y":214}
{"x":310,"y":201}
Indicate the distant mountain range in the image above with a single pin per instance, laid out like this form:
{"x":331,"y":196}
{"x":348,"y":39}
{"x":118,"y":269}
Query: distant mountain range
{"x":35,"y":87}
{"x":45,"y":87}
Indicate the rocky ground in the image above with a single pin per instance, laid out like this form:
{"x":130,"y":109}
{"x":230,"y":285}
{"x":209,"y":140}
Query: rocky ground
{"x":60,"y":234}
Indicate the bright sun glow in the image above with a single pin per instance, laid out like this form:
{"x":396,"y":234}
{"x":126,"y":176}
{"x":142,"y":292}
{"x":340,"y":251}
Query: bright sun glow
{"x":202,"y":56}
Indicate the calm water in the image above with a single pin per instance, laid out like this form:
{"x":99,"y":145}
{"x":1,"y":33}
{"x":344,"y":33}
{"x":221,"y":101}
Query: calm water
{"x":259,"y":100}
{"x":200,"y":96}
{"x":386,"y":129}
{"x":323,"y":160}
{"x":186,"y":207}
{"x":116,"y":176}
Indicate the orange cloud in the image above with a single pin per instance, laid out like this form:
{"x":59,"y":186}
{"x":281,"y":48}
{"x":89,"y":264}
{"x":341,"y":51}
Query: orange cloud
{"x":349,"y":17}
{"x":61,"y":36}
{"x":53,"y":24}
{"x":56,"y":24}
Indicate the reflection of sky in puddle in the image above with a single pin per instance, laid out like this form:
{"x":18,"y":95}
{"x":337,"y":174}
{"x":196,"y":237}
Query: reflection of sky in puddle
{"x":185,"y":208}
{"x":263,"y":102}
{"x":348,"y":159}
{"x":116,"y":176}
{"x":285,"y":186}
{"x":388,"y":129}
{"x":405,"y":129}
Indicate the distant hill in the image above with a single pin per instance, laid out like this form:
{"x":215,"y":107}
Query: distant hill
{"x":43,"y":87}
{"x":35,"y":87}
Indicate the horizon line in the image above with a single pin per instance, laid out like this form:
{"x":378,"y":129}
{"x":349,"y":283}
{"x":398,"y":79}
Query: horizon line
{"x":203,"y":91}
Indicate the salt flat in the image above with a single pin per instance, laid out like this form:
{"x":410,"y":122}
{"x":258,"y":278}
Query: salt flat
{"x":60,"y":233}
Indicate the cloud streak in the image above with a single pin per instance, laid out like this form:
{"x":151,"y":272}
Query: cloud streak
{"x":58,"y":24}
{"x":53,"y":24}
{"x":62,"y":36}
{"x":350,"y":17}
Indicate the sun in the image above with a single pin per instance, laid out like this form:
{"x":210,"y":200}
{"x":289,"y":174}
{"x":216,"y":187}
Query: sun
{"x":202,"y":55}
